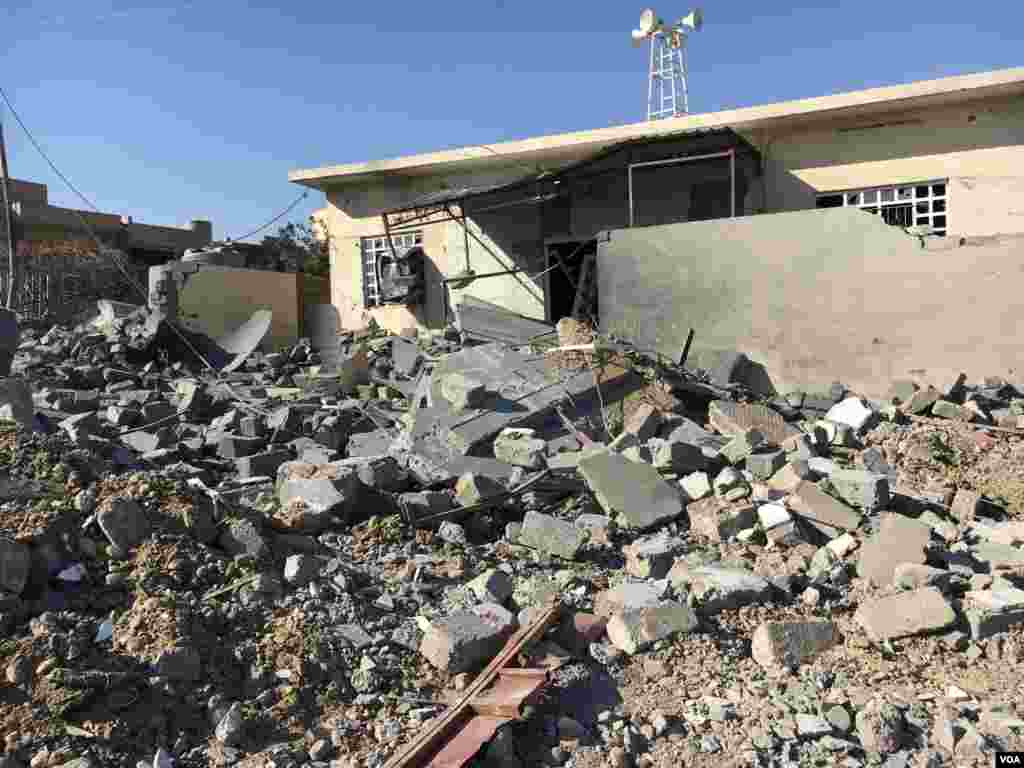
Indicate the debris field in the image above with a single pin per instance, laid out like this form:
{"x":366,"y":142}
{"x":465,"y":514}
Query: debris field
{"x":308,"y":558}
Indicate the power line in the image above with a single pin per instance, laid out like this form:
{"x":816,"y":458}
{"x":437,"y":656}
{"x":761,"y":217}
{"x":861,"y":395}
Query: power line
{"x":45,"y":157}
{"x":279,"y":216}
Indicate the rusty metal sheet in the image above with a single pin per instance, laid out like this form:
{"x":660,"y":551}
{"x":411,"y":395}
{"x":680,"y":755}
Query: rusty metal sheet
{"x":507,"y":695}
{"x":477,"y":732}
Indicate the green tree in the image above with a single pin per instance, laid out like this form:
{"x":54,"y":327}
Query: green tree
{"x":300,"y":246}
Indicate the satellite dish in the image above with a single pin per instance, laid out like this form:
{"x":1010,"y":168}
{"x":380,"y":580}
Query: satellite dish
{"x":638,"y":37}
{"x":693,"y":20}
{"x":647,"y":21}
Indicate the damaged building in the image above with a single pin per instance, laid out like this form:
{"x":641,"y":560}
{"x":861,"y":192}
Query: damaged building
{"x":526,"y":227}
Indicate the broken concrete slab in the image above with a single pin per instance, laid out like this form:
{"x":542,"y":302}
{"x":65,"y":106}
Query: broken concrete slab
{"x":520,"y":447}
{"x":918,"y":612}
{"x":716,"y":588}
{"x":788,"y":644}
{"x":123,"y":522}
{"x":651,"y":557}
{"x":824,"y":513}
{"x":899,"y":539}
{"x":467,"y":639}
{"x":633,"y":631}
{"x":552,"y":536}
{"x":861,"y":489}
{"x":718,"y":520}
{"x":635,"y":494}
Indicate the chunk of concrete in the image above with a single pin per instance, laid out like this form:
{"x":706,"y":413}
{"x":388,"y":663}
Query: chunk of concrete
{"x":778,"y":524}
{"x":634,"y":493}
{"x":463,"y":391}
{"x":696,"y":485}
{"x":861,"y":489}
{"x":123,"y":522}
{"x":652,"y":556}
{"x":719,"y":521}
{"x":763,"y":464}
{"x":629,"y":596}
{"x":824,"y":513}
{"x":853,"y":412}
{"x":15,"y":566}
{"x":992,"y":611}
{"x":720,"y":589}
{"x":906,"y":614}
{"x":742,"y":445}
{"x":634,"y":631}
{"x":467,"y":639}
{"x":788,"y":644}
{"x":899,"y":539}
{"x":643,"y":422}
{"x":676,"y":456}
{"x":552,"y":536}
{"x":520,"y":447}
{"x":735,"y":418}
{"x":492,"y":586}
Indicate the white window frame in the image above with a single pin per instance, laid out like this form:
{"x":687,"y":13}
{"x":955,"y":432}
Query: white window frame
{"x":928,"y":201}
{"x":370,"y":251}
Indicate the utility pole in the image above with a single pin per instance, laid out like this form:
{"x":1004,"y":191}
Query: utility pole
{"x":8,"y":219}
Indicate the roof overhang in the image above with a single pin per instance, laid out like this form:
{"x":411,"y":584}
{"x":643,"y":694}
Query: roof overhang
{"x":562,"y":149}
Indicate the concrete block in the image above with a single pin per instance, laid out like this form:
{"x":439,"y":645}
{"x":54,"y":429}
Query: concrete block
{"x":520,"y":447}
{"x":696,"y":485}
{"x":552,"y":536}
{"x":652,"y":556}
{"x":718,"y":521}
{"x":853,"y":412}
{"x":824,"y":513}
{"x":720,"y":589}
{"x":905,"y":614}
{"x":466,"y":640}
{"x":763,"y":464}
{"x":635,"y":493}
{"x":778,"y":524}
{"x":263,"y":464}
{"x":237,"y":446}
{"x":862,"y":489}
{"x":742,"y":445}
{"x":788,"y":644}
{"x":634,"y":631}
{"x":899,"y":540}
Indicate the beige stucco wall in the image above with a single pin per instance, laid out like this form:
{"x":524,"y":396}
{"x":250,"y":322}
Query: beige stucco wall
{"x":216,"y":300}
{"x":976,"y":140}
{"x":819,"y":296}
{"x":980,"y":145}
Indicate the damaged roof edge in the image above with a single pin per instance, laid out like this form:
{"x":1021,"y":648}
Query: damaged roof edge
{"x":923,"y":93}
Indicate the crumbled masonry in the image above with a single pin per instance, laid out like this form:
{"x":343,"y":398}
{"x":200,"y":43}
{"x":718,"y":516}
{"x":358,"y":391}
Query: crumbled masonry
{"x":302,"y":561}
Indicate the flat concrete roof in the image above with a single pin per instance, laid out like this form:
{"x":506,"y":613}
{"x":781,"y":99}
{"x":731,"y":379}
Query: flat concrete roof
{"x":567,"y":147}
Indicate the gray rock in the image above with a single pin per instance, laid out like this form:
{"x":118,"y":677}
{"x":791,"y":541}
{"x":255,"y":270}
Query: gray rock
{"x":231,"y":728}
{"x":299,"y":570}
{"x":636,"y":493}
{"x":788,"y":644}
{"x":15,"y":566}
{"x":123,"y":522}
{"x":635,"y":630}
{"x":465,"y":640}
{"x":718,"y":589}
{"x":552,"y":536}
{"x":861,"y":489}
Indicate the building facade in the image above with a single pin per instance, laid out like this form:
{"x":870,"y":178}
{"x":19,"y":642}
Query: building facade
{"x":945,"y":156}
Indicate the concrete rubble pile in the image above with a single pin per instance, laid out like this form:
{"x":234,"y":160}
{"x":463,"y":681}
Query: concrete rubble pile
{"x":301,"y":557}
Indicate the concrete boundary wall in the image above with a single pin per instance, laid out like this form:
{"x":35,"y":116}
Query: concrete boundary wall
{"x":819,"y":296}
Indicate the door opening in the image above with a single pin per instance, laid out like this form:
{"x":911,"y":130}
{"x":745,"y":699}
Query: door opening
{"x":562,"y":290}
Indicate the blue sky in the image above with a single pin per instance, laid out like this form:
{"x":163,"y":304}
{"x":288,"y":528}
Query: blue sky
{"x":169,"y":111}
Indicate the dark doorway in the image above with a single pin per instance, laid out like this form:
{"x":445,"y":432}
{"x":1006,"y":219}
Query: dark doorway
{"x":561,"y":287}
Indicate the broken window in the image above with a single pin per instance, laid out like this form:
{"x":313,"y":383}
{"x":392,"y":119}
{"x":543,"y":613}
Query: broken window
{"x":374,"y":252}
{"x":921,"y":204}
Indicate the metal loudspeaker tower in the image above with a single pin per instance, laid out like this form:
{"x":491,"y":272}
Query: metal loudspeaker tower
{"x":667,"y":91}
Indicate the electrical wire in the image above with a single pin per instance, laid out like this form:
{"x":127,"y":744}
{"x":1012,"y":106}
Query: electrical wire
{"x":277,"y":218}
{"x":114,"y":257}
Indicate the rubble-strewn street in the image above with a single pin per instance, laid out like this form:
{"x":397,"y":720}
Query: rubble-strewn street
{"x":302,"y":564}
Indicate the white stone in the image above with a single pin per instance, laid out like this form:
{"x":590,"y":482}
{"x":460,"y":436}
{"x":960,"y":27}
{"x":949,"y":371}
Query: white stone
{"x":852,"y":411}
{"x":696,"y":485}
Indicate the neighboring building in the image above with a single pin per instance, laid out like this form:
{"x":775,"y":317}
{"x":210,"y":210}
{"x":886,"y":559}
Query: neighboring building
{"x":945,"y":154}
{"x":146,"y":244}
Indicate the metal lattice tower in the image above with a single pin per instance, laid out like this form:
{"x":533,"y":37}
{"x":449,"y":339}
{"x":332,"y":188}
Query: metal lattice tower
{"x":667,"y":94}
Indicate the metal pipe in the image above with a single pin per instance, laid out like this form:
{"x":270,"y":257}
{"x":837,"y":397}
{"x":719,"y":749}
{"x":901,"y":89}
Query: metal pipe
{"x":732,"y":181}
